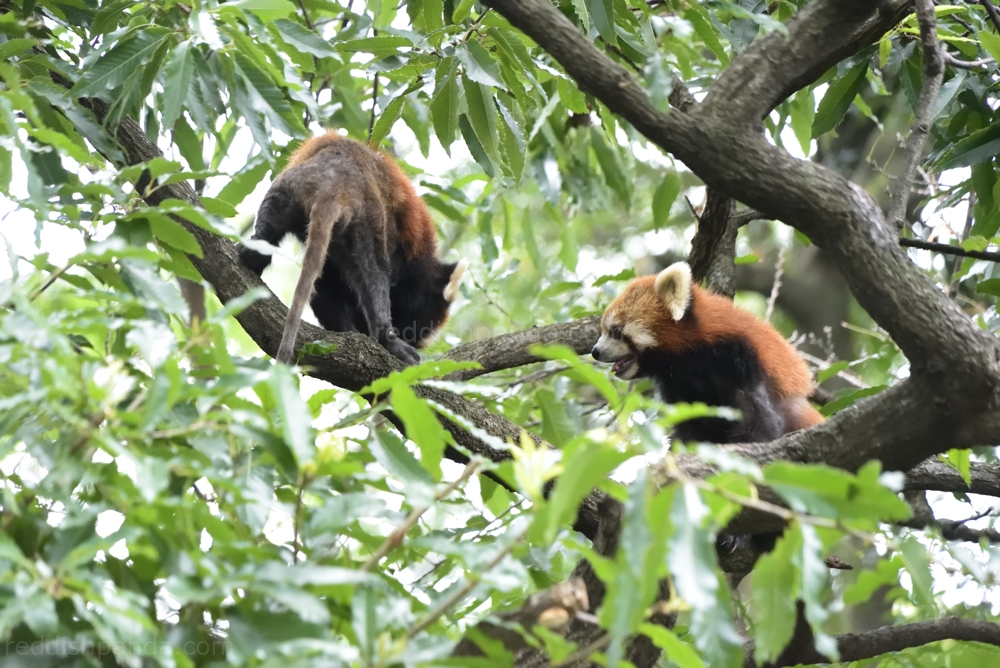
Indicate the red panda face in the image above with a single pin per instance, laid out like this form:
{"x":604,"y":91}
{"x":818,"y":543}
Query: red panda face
{"x":636,"y":320}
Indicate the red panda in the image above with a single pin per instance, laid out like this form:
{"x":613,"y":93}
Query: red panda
{"x":370,"y":260}
{"x":699,"y":347}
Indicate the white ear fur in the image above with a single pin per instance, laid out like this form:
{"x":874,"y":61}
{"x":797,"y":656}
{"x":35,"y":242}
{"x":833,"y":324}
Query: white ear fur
{"x":451,"y":290}
{"x":673,"y":285}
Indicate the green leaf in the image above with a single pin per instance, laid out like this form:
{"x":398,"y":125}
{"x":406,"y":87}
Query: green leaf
{"x":886,"y":573}
{"x":391,"y":454}
{"x":462,"y":11}
{"x":978,"y":147}
{"x":664,"y":197}
{"x":480,"y":65}
{"x":381,"y":46}
{"x":989,"y":286}
{"x":602,"y":13}
{"x":267,"y":10}
{"x":387,"y":119}
{"x":218,"y":207}
{"x":445,"y":104}
{"x":838,"y":98}
{"x":802,"y":114}
{"x":611,"y":165}
{"x":958,"y":459}
{"x":843,"y":402}
{"x":14,"y":47}
{"x":119,"y":63}
{"x":991,"y":43}
{"x":244,"y":181}
{"x":674,"y":649}
{"x":304,"y":39}
{"x":178,"y":72}
{"x":698,"y":17}
{"x":422,"y":427}
{"x":584,"y":372}
{"x":775,"y":589}
{"x":557,"y":427}
{"x":916,"y":560}
{"x":293,"y":413}
{"x":171,"y":232}
{"x":584,"y":467}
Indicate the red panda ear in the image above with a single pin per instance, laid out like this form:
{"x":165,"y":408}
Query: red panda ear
{"x":673,"y":286}
{"x":451,"y":289}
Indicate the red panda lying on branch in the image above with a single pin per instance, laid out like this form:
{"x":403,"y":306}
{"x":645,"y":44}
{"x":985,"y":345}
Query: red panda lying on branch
{"x":370,"y":263}
{"x":698,"y":346}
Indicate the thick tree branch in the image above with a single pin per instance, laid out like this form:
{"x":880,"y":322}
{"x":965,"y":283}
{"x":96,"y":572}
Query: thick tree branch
{"x":861,"y":646}
{"x":924,"y":116}
{"x":511,"y":350}
{"x":953,"y":394}
{"x":934,"y":474}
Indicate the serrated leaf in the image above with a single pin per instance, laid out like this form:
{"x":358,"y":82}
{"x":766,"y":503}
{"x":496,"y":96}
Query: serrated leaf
{"x":674,"y":649}
{"x":387,"y":119}
{"x":802,"y":113}
{"x":218,"y":207}
{"x":422,"y":427}
{"x":775,"y":588}
{"x":991,"y":43}
{"x":611,"y":166}
{"x":838,"y":99}
{"x":990,"y":286}
{"x":602,"y":13}
{"x":178,"y":72}
{"x":978,"y":147}
{"x":293,"y":413}
{"x":14,"y":47}
{"x":445,"y":104}
{"x":557,"y":427}
{"x":267,"y":10}
{"x":462,"y":11}
{"x":382,"y":46}
{"x":244,"y":181}
{"x":583,"y":469}
{"x":391,"y":454}
{"x":480,"y":65}
{"x":304,"y":39}
{"x":958,"y":459}
{"x":118,"y":64}
{"x":171,"y":232}
{"x":698,"y":17}
{"x":663,"y":198}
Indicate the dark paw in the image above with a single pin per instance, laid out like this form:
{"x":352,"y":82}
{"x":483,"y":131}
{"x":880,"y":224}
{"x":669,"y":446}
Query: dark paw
{"x":256,"y":262}
{"x":406,"y":353}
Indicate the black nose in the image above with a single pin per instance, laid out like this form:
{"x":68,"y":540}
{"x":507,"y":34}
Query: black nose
{"x":596,"y":354}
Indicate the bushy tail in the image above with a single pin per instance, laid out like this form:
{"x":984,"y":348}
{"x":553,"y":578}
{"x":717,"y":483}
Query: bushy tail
{"x":322,"y":218}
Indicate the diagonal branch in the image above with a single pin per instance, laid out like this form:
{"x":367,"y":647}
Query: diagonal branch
{"x":934,"y":474}
{"x":924,"y":115}
{"x":955,"y":367}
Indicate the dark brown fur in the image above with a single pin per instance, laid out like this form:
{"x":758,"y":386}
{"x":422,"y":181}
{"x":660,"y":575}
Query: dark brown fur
{"x":370,"y":260}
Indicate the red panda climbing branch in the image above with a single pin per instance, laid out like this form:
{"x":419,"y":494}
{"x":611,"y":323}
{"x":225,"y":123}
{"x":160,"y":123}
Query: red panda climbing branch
{"x":370,"y":262}
{"x":698,"y":346}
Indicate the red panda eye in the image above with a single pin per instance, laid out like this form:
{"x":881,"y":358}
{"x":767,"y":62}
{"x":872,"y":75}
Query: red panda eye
{"x":615,"y":333}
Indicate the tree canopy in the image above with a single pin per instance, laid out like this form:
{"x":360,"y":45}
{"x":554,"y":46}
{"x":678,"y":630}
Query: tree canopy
{"x":171,"y":497}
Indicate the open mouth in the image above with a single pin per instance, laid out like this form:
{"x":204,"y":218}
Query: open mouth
{"x":624,"y":365}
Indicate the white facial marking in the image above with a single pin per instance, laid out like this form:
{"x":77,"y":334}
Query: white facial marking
{"x":641,"y":337}
{"x":611,"y":350}
{"x":673,"y":285}
{"x":451,"y":290}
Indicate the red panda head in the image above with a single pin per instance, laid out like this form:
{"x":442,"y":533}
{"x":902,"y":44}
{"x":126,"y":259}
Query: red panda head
{"x":647,"y":315}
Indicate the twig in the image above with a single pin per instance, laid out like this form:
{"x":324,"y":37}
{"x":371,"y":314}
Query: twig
{"x":397,"y":536}
{"x":745,"y":216}
{"x":933,"y":72}
{"x":584,"y":652}
{"x":347,"y":15}
{"x":297,"y":521}
{"x":966,"y":229}
{"x":992,"y":11}
{"x":966,"y":64}
{"x":779,"y":269}
{"x":52,"y":279}
{"x":452,"y":600}
{"x":990,"y":256}
{"x":822,"y":364}
{"x":305,"y":15}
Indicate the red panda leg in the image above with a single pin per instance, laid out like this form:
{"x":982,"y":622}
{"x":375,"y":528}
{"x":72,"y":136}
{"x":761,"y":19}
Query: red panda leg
{"x":368,"y":277}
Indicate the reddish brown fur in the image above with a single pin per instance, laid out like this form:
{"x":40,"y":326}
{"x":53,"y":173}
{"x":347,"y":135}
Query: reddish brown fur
{"x":717,"y":319}
{"x":416,"y":230}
